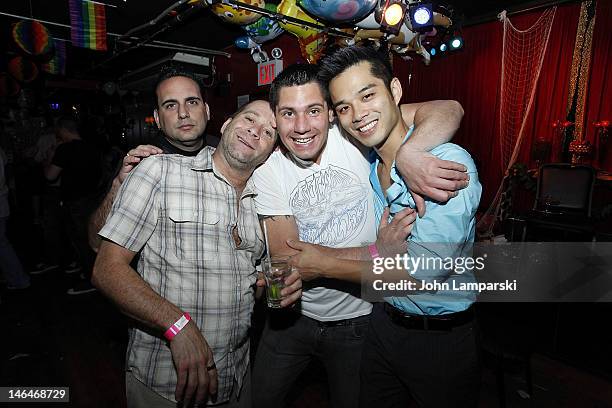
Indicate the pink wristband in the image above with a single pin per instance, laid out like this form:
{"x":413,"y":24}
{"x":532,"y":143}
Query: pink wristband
{"x":373,"y":251}
{"x":177,"y":326}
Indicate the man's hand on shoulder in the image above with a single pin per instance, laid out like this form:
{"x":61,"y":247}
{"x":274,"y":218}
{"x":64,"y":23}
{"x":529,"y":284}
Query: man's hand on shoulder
{"x":133,"y":157}
{"x":192,"y":355}
{"x":428,"y":176}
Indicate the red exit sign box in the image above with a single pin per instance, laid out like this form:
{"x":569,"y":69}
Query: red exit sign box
{"x":267,"y":71}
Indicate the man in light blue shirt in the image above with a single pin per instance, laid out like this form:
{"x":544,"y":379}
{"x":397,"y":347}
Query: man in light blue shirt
{"x":446,"y":231}
{"x":422,"y":344}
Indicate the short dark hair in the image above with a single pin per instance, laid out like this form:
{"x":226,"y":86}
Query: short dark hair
{"x":296,"y":75}
{"x":173,"y":70}
{"x":68,"y":123}
{"x":338,"y":62}
{"x":243,"y":107}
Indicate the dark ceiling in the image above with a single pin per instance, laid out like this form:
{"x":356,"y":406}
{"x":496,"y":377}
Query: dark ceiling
{"x":202,"y":30}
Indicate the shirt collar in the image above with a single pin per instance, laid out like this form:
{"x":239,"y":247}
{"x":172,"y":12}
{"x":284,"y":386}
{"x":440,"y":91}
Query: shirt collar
{"x":397,"y":195}
{"x":204,"y":162}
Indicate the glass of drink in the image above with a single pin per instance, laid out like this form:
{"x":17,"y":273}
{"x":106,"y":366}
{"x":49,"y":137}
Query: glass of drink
{"x":275,"y":271}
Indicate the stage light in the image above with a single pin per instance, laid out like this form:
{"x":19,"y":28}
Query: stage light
{"x":432,"y":52}
{"x":456,"y":43}
{"x":421,"y":17}
{"x":392,"y":16}
{"x":443,"y":47}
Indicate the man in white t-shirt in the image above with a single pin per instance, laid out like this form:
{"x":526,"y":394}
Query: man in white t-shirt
{"x":316,"y":188}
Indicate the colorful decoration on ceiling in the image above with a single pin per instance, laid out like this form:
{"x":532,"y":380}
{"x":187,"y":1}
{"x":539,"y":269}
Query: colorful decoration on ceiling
{"x":33,"y":39}
{"x":237,"y":15}
{"x":88,"y":23}
{"x":339,"y":11}
{"x":22,"y":69}
{"x":312,"y":41}
{"x":264,"y":29}
{"x":328,"y":14}
{"x":57,"y":64}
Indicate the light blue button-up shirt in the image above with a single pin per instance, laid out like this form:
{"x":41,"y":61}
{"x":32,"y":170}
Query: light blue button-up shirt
{"x":446,"y":231}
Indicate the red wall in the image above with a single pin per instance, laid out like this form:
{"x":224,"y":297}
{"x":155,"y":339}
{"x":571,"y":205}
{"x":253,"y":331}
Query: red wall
{"x":243,"y":72}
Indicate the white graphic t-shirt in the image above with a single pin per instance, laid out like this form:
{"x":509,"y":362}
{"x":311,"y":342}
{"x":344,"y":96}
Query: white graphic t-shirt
{"x":332,"y":203}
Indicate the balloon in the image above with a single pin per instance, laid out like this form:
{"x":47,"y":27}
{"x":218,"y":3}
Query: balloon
{"x":33,"y":38}
{"x":339,"y":11}
{"x":368,"y":23}
{"x":8,"y":86}
{"x":245,"y":42}
{"x":264,"y":29}
{"x":237,"y":15}
{"x":290,"y":9}
{"x":311,"y":40}
{"x":312,"y":47}
{"x":22,"y":69}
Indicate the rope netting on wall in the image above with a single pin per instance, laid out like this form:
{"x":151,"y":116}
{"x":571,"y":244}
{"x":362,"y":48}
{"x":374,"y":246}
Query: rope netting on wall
{"x":522,"y":57}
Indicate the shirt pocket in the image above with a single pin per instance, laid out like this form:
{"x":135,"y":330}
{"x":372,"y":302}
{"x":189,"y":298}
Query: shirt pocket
{"x":194,"y":234}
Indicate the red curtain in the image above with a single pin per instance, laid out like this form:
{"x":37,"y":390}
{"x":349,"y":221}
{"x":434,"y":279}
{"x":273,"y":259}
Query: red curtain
{"x":472,"y":76}
{"x":599,"y":94}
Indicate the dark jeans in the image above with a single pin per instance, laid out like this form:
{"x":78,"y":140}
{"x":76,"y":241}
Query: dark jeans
{"x":291,"y":341}
{"x":437,"y":368}
{"x":75,"y":217}
{"x":10,"y":266}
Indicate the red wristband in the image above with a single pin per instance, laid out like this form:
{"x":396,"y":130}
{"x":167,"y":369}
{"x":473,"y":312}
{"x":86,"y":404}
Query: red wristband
{"x":373,"y":251}
{"x":177,"y":326}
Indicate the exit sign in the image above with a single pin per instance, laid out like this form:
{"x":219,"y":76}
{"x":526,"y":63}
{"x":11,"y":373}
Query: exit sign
{"x":267,"y":71}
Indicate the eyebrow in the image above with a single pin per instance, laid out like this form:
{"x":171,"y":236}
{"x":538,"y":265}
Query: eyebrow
{"x":252,"y":112}
{"x":312,"y":105}
{"x":189,"y":98}
{"x":365,"y":88}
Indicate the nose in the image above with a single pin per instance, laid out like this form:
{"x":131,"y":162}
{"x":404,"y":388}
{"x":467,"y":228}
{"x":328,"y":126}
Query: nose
{"x":358,"y":112}
{"x":183,"y":113}
{"x":255,"y":131}
{"x":301,"y":124}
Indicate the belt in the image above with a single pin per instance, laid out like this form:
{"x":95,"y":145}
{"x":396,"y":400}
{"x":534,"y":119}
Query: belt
{"x":334,"y":323}
{"x":445,"y":322}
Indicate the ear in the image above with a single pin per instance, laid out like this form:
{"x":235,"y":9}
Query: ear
{"x":330,"y":113}
{"x":156,"y":116}
{"x":227,"y":122}
{"x":396,"y":90}
{"x":207,"y":111}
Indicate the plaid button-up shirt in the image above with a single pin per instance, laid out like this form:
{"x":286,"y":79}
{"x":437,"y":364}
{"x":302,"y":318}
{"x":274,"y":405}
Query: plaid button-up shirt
{"x":181,"y":213}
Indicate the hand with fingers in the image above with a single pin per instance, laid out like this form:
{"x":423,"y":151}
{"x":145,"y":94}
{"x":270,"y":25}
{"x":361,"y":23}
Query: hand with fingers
{"x":133,"y":157}
{"x":195,"y":366}
{"x":291,"y":293}
{"x":428,"y":176}
{"x":392,"y":236}
{"x":310,"y":261}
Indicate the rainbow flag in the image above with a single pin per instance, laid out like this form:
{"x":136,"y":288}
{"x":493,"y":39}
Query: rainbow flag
{"x":57,"y":64}
{"x":88,"y":21}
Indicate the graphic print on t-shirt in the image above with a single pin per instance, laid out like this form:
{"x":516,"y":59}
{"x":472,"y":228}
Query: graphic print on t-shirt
{"x":330,"y":206}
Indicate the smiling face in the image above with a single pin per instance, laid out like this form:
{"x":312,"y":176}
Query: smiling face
{"x":182,"y":114}
{"x":249,"y":137}
{"x":303,"y":118}
{"x":366,"y":108}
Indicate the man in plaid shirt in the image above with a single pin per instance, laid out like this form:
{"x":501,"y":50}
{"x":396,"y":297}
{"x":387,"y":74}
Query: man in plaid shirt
{"x":195,"y":223}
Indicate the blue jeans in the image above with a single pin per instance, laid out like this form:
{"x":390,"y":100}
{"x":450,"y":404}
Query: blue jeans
{"x":287,"y":345}
{"x":9,"y":263}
